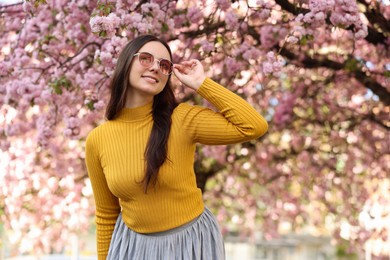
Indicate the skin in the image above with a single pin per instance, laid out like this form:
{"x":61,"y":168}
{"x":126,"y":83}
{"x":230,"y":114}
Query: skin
{"x":145,"y":83}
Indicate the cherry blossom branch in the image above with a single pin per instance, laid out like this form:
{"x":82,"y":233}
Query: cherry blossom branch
{"x":81,"y":50}
{"x":10,"y":5}
{"x":208,"y":29}
{"x":376,"y":17}
{"x":373,"y":36}
{"x":307,"y":62}
{"x":140,"y":4}
{"x":322,"y":61}
{"x":361,"y":76}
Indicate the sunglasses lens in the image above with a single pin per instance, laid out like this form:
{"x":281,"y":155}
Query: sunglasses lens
{"x":146,"y":59}
{"x":166,"y":66}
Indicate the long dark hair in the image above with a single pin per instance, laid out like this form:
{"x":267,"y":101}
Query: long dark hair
{"x":163,"y":105}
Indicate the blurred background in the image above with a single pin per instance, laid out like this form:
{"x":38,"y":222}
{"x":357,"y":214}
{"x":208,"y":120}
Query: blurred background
{"x":316,"y":186}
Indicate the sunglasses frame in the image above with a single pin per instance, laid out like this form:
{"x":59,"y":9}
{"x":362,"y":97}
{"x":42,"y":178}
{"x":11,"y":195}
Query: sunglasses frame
{"x":154,"y":59}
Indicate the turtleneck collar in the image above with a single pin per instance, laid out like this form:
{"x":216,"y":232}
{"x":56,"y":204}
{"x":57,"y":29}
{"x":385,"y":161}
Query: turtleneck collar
{"x":136,"y":113}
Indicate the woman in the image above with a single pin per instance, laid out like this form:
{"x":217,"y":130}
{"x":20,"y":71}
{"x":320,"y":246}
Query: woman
{"x":140,"y":161}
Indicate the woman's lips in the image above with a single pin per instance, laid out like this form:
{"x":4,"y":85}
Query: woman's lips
{"x":150,"y":78}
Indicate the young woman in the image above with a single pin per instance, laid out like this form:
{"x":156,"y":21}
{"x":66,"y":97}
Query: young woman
{"x":140,"y":161}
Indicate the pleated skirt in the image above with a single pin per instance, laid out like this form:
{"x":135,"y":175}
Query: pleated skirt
{"x":199,"y":239}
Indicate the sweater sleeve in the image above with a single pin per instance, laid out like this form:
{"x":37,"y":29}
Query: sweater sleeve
{"x":237,"y":121}
{"x":107,"y":205}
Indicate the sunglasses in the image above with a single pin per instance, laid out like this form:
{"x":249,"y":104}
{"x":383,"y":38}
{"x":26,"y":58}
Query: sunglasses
{"x":147,"y":60}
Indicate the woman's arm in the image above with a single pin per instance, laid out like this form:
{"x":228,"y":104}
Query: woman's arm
{"x":107,"y":205}
{"x":236,"y":121}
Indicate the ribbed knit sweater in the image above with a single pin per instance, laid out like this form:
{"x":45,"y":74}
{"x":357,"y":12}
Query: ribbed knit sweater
{"x":116,"y":164}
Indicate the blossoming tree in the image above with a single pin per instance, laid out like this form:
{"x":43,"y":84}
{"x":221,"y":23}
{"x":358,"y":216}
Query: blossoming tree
{"x":317,"y":69}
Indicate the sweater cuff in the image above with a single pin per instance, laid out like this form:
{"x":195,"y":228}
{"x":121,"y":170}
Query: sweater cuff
{"x":202,"y":89}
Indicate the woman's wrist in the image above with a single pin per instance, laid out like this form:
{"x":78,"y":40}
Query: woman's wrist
{"x":198,"y":83}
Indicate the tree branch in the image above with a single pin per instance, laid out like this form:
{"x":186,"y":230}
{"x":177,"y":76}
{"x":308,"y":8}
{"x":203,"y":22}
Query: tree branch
{"x":11,"y":5}
{"x":365,"y":80}
{"x":321,"y":61}
{"x":373,"y":36}
{"x":291,"y":8}
{"x":207,"y":29}
{"x":375,"y":17}
{"x":78,"y":53}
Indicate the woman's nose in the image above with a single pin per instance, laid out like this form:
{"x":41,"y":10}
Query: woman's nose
{"x":155,"y":66}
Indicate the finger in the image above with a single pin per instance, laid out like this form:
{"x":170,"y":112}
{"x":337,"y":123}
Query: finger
{"x":187,"y":64}
{"x":178,"y":73}
{"x":177,"y":67}
{"x":180,"y":68}
{"x":194,"y":62}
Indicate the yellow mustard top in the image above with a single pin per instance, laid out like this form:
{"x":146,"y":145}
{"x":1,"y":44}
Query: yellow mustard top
{"x":116,"y":165}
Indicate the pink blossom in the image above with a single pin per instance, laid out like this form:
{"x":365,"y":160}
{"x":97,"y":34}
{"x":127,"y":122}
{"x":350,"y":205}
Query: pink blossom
{"x":105,"y":57}
{"x":43,"y":129}
{"x":271,"y":35}
{"x":179,"y":20}
{"x":99,"y":105}
{"x":251,"y":53}
{"x":223,"y":4}
{"x":107,"y":24}
{"x":194,"y":14}
{"x":273,"y":64}
{"x":96,"y":24}
{"x":232,"y":66}
{"x":362,"y":33}
{"x":231,"y":20}
{"x":292,"y":39}
{"x":267,"y":67}
{"x":207,"y":46}
{"x":264,"y":14}
{"x":28,"y":6}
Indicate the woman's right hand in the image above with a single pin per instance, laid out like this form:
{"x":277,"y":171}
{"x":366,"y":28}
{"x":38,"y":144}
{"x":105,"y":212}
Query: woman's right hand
{"x":190,"y":73}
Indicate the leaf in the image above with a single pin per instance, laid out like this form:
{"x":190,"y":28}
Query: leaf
{"x":56,"y":88}
{"x":90,"y":105}
{"x":219,"y":39}
{"x":305,"y":39}
{"x":83,"y":28}
{"x":59,"y":84}
{"x":352,"y":65}
{"x":164,"y":28}
{"x":325,"y":109}
{"x":107,"y":10}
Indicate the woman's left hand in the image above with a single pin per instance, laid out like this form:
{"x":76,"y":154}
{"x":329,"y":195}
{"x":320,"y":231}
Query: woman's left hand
{"x":190,"y":73}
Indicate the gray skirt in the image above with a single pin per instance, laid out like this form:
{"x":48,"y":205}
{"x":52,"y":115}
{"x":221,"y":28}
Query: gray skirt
{"x":199,"y":239}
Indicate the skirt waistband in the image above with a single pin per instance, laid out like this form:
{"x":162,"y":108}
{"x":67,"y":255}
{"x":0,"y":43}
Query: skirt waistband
{"x":173,"y":230}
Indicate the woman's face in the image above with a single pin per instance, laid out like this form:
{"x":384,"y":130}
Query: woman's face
{"x":146,"y":82}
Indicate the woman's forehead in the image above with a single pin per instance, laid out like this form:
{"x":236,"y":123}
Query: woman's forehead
{"x":157,"y":49}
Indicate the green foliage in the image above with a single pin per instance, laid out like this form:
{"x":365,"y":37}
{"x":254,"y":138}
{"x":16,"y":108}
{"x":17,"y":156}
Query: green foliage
{"x":164,"y":28}
{"x":47,"y":38}
{"x":219,"y":39}
{"x":342,"y":252}
{"x":352,"y":65}
{"x":90,"y":105}
{"x":83,"y":28}
{"x":38,"y":2}
{"x":59,"y":84}
{"x":102,"y":34}
{"x":305,"y":39}
{"x":325,"y":109}
{"x":105,"y":8}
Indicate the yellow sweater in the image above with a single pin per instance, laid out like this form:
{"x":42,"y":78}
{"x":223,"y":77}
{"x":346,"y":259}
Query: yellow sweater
{"x":115,"y":161}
